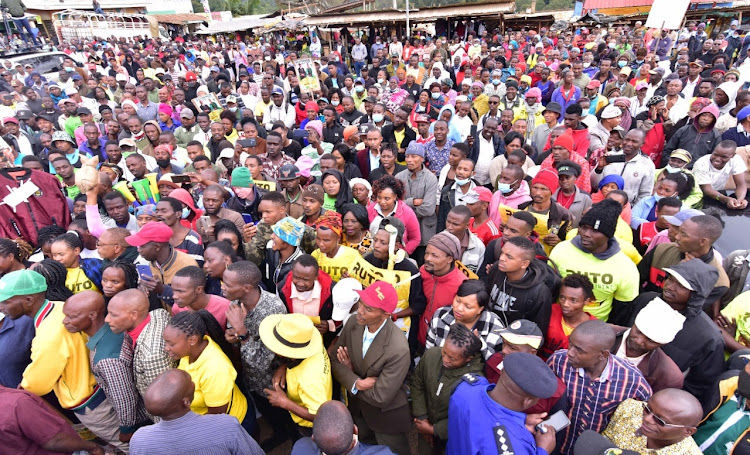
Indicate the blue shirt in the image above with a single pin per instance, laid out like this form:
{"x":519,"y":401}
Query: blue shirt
{"x":15,"y":349}
{"x":474,"y":419}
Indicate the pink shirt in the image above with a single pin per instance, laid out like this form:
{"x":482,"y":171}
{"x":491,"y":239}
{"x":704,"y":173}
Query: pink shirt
{"x":217,"y":306}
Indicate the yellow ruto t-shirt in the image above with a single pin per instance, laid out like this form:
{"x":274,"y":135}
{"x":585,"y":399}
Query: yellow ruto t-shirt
{"x":344,"y":259}
{"x":309,"y":384}
{"x":77,"y":281}
{"x":213,"y":376}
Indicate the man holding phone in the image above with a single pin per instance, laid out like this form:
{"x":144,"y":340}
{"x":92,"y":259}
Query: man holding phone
{"x":636,"y":168}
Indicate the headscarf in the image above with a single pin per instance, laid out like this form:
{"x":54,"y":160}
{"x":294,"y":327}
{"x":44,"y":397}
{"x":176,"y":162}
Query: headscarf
{"x":612,"y":178}
{"x":148,"y":209}
{"x":453,"y":133}
{"x":627,"y":120}
{"x":330,"y":220}
{"x":345,"y":192}
{"x":364,"y":182}
{"x":700,"y":103}
{"x":447,"y":243}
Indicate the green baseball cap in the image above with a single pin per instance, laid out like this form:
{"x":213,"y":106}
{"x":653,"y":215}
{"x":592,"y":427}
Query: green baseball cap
{"x":21,"y":282}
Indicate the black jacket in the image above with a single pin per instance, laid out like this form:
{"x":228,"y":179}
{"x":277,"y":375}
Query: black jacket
{"x":497,"y":144}
{"x":529,"y":298}
{"x":390,"y":136}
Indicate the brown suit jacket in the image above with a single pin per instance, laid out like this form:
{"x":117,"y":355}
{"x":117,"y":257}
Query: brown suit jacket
{"x":385,"y":407}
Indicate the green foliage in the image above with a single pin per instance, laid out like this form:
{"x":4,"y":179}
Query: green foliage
{"x":545,"y":5}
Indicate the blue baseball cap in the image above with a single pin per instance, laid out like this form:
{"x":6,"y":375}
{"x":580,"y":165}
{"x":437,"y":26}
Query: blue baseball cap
{"x":743,"y":113}
{"x":682,"y":216}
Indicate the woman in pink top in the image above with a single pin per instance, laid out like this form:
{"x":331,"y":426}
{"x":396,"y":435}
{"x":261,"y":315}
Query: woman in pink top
{"x":389,"y":194}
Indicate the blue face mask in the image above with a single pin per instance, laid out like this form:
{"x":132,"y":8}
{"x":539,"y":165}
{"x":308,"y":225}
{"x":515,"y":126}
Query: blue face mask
{"x":435,"y":95}
{"x":496,"y":81}
{"x":359,"y":89}
{"x":185,"y":213}
{"x":461,"y":182}
{"x":377,"y":118}
{"x":504,"y":188}
{"x":622,"y":64}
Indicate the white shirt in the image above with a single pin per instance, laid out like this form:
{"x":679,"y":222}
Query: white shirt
{"x":374,"y":161}
{"x":359,"y":52}
{"x":463,"y":125}
{"x":24,"y":145}
{"x":486,"y":153}
{"x":621,"y":352}
{"x":459,"y":193}
{"x":689,"y":87}
{"x":706,"y":174}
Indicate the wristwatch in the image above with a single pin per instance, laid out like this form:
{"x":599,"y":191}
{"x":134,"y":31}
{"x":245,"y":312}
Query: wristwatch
{"x":243,"y":337}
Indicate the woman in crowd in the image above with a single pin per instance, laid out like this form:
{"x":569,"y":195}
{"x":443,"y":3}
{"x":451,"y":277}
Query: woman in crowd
{"x":361,"y":190}
{"x":217,"y":257}
{"x":356,"y":228}
{"x":196,"y":340}
{"x":227,"y":231}
{"x":337,"y":190}
{"x":389,"y":194}
{"x":332,"y":257}
{"x":438,"y":373}
{"x":145,"y":214}
{"x":608,"y":184}
{"x":116,"y":277}
{"x":344,"y":162}
{"x":14,"y":254}
{"x":423,"y":107}
{"x":82,"y":274}
{"x":470,"y":310}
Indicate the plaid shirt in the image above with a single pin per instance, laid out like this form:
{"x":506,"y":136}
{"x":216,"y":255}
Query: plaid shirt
{"x":272,"y":170}
{"x":488,"y":325}
{"x":592,"y":403}
{"x":258,"y":362}
{"x":111,"y":357}
{"x":149,"y":358}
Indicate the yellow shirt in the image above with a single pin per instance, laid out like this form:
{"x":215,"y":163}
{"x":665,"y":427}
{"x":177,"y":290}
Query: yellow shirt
{"x":343,"y":260}
{"x":77,"y":281}
{"x":59,"y":360}
{"x":624,"y":236}
{"x":310,"y":384}
{"x":213,"y":376}
{"x":738,"y":310}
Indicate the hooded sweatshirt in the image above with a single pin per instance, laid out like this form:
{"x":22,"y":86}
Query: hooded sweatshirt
{"x":613,"y":273}
{"x":439,"y":291}
{"x":698,"y":348}
{"x":692,"y":138}
{"x":528,"y":298}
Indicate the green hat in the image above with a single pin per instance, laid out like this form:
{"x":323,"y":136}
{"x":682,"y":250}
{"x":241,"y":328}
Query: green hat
{"x":241,"y":177}
{"x":21,"y":282}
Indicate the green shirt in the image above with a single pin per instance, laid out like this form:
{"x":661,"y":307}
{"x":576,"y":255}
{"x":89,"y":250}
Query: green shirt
{"x":721,"y":443}
{"x":329,"y":202}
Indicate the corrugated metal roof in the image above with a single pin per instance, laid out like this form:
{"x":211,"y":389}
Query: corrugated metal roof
{"x":236,"y":25}
{"x":423,"y":14}
{"x":180,"y":19}
{"x":47,"y":5}
{"x":603,"y":4}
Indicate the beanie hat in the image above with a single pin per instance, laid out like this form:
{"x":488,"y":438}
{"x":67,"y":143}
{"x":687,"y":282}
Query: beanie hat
{"x":314,"y":191}
{"x":565,"y":141}
{"x":447,"y":243}
{"x":241,"y":177}
{"x":547,"y":178}
{"x":315,"y":125}
{"x":603,"y":216}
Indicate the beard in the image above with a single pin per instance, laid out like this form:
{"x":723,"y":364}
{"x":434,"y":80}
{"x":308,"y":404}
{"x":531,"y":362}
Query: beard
{"x":162,"y":163}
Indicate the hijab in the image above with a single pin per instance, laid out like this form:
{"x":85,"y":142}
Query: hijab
{"x":344,"y":195}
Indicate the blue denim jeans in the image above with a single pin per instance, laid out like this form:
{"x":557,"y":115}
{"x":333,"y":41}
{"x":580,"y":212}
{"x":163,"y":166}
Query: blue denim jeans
{"x":21,"y":24}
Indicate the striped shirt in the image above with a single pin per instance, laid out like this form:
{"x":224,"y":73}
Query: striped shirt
{"x":592,"y":402}
{"x":193,"y":434}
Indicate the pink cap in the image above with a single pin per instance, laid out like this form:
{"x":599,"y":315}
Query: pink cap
{"x":379,"y":295}
{"x":153,"y":231}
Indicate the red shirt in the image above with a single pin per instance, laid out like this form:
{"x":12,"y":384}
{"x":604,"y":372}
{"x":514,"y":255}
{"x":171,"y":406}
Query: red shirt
{"x":487,"y":231}
{"x":28,"y":423}
{"x":555,"y":338}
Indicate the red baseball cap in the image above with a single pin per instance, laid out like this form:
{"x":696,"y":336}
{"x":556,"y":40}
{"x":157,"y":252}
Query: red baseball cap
{"x":379,"y":295}
{"x":190,"y":76}
{"x":153,"y":231}
{"x":10,"y":120}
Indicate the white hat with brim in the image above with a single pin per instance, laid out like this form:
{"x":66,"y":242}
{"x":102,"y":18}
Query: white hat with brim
{"x":680,"y":279}
{"x":344,"y":297}
{"x":293,"y":336}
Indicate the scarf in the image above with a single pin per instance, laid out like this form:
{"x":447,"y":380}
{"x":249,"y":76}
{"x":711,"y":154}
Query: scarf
{"x":531,"y":118}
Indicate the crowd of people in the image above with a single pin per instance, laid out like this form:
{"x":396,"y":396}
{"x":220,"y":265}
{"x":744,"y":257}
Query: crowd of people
{"x":475,"y":244}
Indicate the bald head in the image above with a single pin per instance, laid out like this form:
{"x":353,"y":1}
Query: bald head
{"x":87,"y":301}
{"x":130,"y":301}
{"x":116,"y":236}
{"x":333,"y":429}
{"x":170,"y":394}
{"x":677,"y":407}
{"x":84,"y":312}
{"x":598,"y":334}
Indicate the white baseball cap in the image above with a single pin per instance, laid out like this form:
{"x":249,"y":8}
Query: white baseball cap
{"x":344,"y":297}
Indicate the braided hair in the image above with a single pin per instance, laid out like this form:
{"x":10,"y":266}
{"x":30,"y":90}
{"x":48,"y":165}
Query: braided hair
{"x":201,"y":323}
{"x":463,"y":338}
{"x":224,"y":248}
{"x":48,"y":234}
{"x":71,"y":239}
{"x":128,"y":269}
{"x":55,"y":273}
{"x":230,"y":227}
{"x":17,"y":247}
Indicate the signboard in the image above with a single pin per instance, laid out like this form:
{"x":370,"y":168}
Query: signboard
{"x":308,"y":75}
{"x":210,"y":104}
{"x":667,"y":14}
{"x":262,"y":184}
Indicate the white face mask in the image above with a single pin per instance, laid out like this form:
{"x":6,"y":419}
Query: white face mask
{"x":671,"y":169}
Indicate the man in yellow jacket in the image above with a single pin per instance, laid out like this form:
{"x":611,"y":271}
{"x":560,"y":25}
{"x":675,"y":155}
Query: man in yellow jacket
{"x":59,"y":359}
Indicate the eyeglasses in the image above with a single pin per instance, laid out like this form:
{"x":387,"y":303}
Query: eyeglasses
{"x":98,"y":244}
{"x":659,"y":421}
{"x":493,"y":102}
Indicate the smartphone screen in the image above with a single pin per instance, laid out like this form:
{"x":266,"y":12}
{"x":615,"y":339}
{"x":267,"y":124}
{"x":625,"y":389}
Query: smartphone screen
{"x":558,"y":421}
{"x":144,"y":271}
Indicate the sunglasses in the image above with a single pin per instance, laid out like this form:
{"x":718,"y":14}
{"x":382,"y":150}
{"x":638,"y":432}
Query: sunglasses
{"x":493,"y":102}
{"x":659,"y":421}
